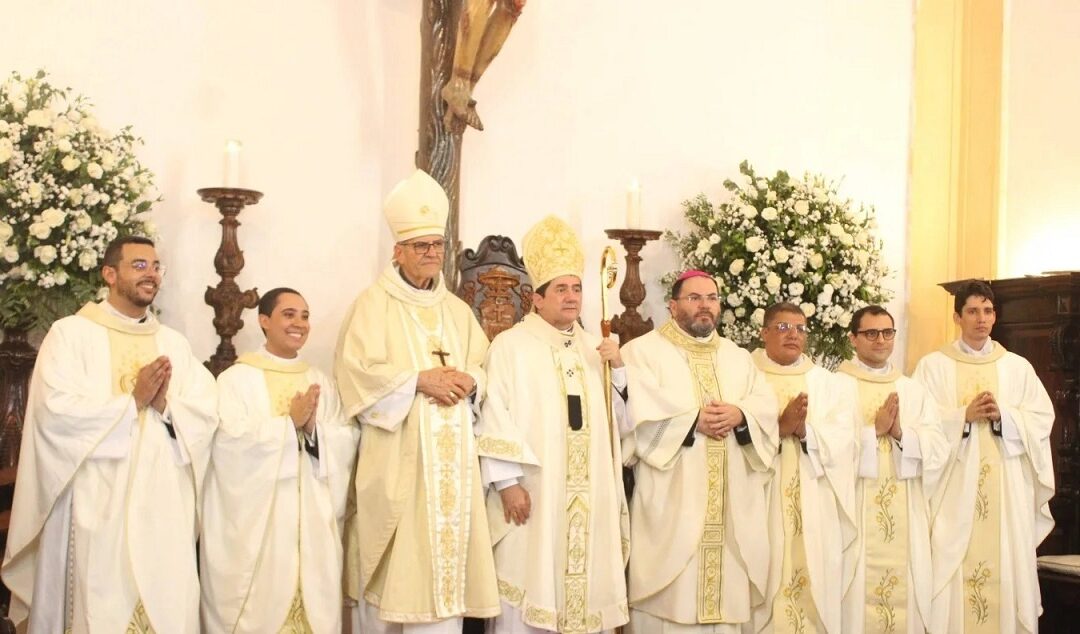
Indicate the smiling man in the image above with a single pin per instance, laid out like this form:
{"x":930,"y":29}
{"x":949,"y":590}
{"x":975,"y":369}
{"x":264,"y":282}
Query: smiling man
{"x":811,"y":495}
{"x":558,"y":511}
{"x":418,"y":556}
{"x":275,"y":493}
{"x":901,"y":454}
{"x":704,"y":438}
{"x":994,"y":509}
{"x":114,"y":450}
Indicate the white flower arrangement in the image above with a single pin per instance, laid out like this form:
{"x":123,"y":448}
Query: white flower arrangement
{"x":784,"y":239}
{"x":67,"y":188}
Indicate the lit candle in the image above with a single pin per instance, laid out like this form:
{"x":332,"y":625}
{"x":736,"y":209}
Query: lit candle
{"x":232,"y":162}
{"x":633,"y":206}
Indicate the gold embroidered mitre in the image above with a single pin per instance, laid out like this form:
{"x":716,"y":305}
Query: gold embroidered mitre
{"x":552,"y":250}
{"x":417,"y":206}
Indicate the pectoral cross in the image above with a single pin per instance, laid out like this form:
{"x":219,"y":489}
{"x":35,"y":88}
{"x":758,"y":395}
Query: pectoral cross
{"x":442,"y":356}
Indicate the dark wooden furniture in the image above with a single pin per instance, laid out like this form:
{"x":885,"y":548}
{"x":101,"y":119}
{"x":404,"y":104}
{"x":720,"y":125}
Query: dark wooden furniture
{"x":630,"y":324}
{"x":493,"y":281}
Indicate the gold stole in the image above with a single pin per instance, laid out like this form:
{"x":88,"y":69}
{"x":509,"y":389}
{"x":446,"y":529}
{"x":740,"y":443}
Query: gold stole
{"x":702,"y":360}
{"x":131,"y":347}
{"x":793,"y":608}
{"x":981,"y":568}
{"x":283,"y":382}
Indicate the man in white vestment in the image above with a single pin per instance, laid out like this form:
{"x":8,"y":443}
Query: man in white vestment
{"x":549,"y":445}
{"x":408,"y":365}
{"x":704,"y":438}
{"x":812,"y":492}
{"x":994,"y":508}
{"x":114,"y":450}
{"x":274,"y":502}
{"x":901,"y":451}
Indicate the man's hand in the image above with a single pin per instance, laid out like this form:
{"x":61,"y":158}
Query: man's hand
{"x":148,"y":381}
{"x":609,"y":352}
{"x":516,"y":504}
{"x":793,"y":418}
{"x":717,"y":419}
{"x":161,"y":399}
{"x":887,"y":415}
{"x":313,"y":395}
{"x":444,"y":385}
{"x":302,"y":407}
{"x":982,"y":408}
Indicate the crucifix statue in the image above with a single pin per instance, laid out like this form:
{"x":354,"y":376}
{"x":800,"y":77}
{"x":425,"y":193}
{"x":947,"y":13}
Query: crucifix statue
{"x":459,"y":39}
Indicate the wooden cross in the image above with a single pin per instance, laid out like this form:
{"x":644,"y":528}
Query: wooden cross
{"x":442,"y":356}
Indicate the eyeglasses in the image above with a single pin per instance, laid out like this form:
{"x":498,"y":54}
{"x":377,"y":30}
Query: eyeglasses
{"x":142,"y":266}
{"x":694,"y":298}
{"x":422,"y":248}
{"x":784,"y":327}
{"x":873,"y":333}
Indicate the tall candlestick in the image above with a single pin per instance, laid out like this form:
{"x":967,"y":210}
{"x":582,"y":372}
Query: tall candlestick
{"x":232,"y":163}
{"x":633,"y":206}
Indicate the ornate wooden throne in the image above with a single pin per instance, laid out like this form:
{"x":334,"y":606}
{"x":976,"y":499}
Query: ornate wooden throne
{"x":493,"y":281}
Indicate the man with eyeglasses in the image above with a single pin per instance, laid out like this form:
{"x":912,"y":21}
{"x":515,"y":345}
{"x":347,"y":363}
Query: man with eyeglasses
{"x":704,"y":439}
{"x":114,"y":450}
{"x":557,"y":509}
{"x":408,"y":365}
{"x":901,"y":452}
{"x":811,"y":518}
{"x":994,"y":508}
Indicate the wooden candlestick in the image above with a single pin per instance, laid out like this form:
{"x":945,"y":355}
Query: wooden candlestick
{"x":630,"y":323}
{"x":227,"y":300}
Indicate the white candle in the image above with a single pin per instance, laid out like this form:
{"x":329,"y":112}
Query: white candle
{"x":232,"y":162}
{"x":633,"y":206}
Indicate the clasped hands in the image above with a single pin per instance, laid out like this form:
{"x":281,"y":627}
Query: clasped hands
{"x":444,"y":385}
{"x":793,"y":418}
{"x":982,"y":408}
{"x":304,"y":409}
{"x":717,"y":419}
{"x":887,"y":420}
{"x":152,"y":385}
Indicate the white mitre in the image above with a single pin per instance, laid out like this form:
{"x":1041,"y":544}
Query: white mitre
{"x":417,"y":206}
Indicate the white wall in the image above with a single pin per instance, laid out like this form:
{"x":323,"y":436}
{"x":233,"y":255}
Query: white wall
{"x":1042,"y":153}
{"x":585,"y":97}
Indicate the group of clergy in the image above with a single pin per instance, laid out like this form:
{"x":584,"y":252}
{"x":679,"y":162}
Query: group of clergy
{"x":438,"y":476}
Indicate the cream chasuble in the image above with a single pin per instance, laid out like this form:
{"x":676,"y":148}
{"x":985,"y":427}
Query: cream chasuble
{"x":419,"y":547}
{"x":699,"y":509}
{"x":993,"y":510}
{"x":562,"y":569}
{"x":271,"y":545}
{"x":105,"y":509}
{"x":810,"y":503}
{"x":890,"y":561}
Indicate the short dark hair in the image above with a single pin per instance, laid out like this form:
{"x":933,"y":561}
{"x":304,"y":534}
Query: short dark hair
{"x":269,"y":299}
{"x":115,"y":250}
{"x":872,"y":309}
{"x":542,"y":289}
{"x":677,"y":286}
{"x":781,"y":307}
{"x":971,"y":288}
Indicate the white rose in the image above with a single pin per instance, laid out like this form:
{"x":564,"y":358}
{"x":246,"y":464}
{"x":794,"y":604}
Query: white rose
{"x":149,"y":228}
{"x":40,"y":230}
{"x":740,"y":312}
{"x":82,"y":221}
{"x":808,"y":309}
{"x":4,"y":126}
{"x":62,"y":127}
{"x":53,"y":217}
{"x":46,"y":253}
{"x":108,"y":160}
{"x":769,"y":213}
{"x":736,"y":267}
{"x":70,"y":163}
{"x":758,"y":317}
{"x":846,"y":239}
{"x":748,"y":211}
{"x":755,"y":282}
{"x":61,"y":277}
{"x":862,"y":258}
{"x":781,"y":255}
{"x":64,"y":145}
{"x":11,"y":255}
{"x":733,"y":299}
{"x":118,"y":211}
{"x":38,"y":118}
{"x":795,"y":288}
{"x":94,"y":170}
{"x":761,"y":184}
{"x":825,"y":297}
{"x":844,"y":320}
{"x":714,"y":239}
{"x":35,"y":190}
{"x":770,"y":196}
{"x":75,"y":196}
{"x":5,"y":232}
{"x":835,"y":230}
{"x":772,"y":283}
{"x":7,"y":150}
{"x":728,"y":317}
{"x":87,"y":259}
{"x":755,"y":244}
{"x":816,"y":260}
{"x":18,"y":104}
{"x":89,"y":124}
{"x":703,"y":247}
{"x":802,"y":207}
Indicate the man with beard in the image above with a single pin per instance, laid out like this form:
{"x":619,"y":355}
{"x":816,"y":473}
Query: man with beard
{"x":810,"y":497}
{"x":114,"y":450}
{"x":704,"y":438}
{"x":901,"y":453}
{"x":418,"y":553}
{"x":558,"y":512}
{"x":994,"y":509}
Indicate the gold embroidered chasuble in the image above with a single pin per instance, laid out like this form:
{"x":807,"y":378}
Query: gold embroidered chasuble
{"x":562,"y":569}
{"x":419,"y":547}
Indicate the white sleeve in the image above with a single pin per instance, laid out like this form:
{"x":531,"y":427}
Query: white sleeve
{"x":117,"y":443}
{"x":391,"y":410}
{"x":813,"y":452}
{"x":501,"y":472}
{"x":910,"y":457}
{"x":180,"y":452}
{"x":618,"y":405}
{"x":1010,"y":436}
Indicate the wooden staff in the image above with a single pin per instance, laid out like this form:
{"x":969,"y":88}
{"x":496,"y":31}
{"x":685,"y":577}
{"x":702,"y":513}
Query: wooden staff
{"x":609,"y":270}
